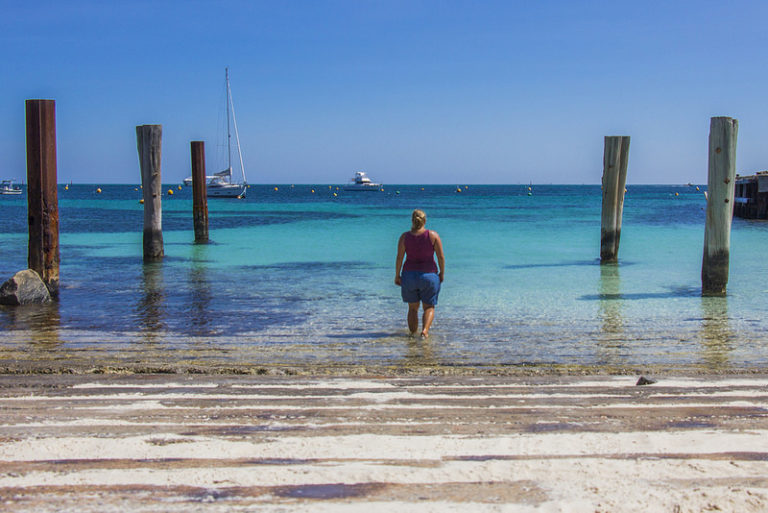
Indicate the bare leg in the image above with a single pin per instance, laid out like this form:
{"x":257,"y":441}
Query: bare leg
{"x":426,"y":320}
{"x":413,"y":317}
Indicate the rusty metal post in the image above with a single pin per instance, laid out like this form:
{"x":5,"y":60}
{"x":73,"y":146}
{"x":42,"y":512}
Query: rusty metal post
{"x":148,"y":140}
{"x":42,"y":199}
{"x":199,"y":199}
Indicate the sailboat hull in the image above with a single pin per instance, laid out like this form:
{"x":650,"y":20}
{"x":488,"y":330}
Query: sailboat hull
{"x":230,"y":190}
{"x":188,"y":180}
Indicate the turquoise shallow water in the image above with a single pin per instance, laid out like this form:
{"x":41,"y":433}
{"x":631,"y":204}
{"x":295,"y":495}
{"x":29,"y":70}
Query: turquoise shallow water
{"x":297,"y":277}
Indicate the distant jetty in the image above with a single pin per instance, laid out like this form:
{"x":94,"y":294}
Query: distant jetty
{"x":751,"y":196}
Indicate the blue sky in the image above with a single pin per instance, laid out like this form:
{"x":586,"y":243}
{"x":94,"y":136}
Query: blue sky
{"x":409,"y":91}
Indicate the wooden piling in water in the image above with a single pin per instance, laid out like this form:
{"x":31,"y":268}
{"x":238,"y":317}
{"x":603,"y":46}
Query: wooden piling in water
{"x":615,"y":160}
{"x":723,"y":132}
{"x":199,"y":199}
{"x":42,"y":199}
{"x":148,"y":140}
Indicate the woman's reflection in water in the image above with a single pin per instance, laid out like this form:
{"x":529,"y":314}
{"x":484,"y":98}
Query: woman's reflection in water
{"x":420,"y":351}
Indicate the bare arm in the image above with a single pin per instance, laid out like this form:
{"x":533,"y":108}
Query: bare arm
{"x":399,"y":259}
{"x":438,"y":245}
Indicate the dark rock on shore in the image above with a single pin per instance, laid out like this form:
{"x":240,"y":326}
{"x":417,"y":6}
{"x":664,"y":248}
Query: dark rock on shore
{"x":24,"y":288}
{"x":645,"y":381}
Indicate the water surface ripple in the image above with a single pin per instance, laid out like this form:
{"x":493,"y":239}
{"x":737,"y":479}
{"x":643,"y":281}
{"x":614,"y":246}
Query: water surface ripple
{"x":295,"y":277}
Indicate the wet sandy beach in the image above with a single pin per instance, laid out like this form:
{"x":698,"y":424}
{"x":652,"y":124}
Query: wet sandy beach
{"x":462,"y":443}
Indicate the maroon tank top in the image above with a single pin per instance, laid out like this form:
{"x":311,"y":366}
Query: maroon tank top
{"x":419,"y":253}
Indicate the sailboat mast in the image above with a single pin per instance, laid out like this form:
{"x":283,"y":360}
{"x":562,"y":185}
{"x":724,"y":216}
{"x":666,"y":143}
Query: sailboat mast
{"x":229,"y":137}
{"x":237,"y":134}
{"x":237,"y":139}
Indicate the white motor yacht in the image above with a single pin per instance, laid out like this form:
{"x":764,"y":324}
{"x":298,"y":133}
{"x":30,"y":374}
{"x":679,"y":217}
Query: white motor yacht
{"x":361,"y":182}
{"x":6,"y":187}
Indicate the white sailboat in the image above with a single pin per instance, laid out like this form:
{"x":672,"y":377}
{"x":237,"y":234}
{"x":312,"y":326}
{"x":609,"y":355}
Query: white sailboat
{"x":220,"y":185}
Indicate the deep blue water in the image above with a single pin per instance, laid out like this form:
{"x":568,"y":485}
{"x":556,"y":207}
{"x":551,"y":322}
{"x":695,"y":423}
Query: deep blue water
{"x":295,"y":276}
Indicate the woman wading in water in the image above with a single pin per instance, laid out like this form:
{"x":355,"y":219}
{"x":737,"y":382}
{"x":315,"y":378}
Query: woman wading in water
{"x":419,"y":278}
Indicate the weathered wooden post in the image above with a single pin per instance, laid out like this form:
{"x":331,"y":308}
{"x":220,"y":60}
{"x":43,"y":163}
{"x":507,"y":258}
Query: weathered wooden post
{"x":199,"y":200}
{"x":42,"y":200}
{"x":720,"y":188}
{"x":148,"y":139}
{"x":615,"y":159}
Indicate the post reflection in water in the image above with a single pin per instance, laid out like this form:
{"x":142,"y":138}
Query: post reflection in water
{"x":200,"y":293}
{"x":151,"y":306}
{"x":39,"y":324}
{"x":611,"y":340}
{"x":716,"y":334}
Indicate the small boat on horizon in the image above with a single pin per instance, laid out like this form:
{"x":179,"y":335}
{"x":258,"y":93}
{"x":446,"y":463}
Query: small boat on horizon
{"x":6,"y":187}
{"x":361,"y":182}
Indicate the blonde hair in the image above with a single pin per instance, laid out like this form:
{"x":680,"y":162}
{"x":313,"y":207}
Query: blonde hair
{"x":418,"y":219}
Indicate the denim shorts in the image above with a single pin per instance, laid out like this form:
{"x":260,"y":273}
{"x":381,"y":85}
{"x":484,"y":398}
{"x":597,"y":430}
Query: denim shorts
{"x":417,"y":286}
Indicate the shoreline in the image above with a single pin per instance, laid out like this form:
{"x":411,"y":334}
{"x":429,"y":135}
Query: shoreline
{"x":290,"y":444}
{"x":346,"y":370}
